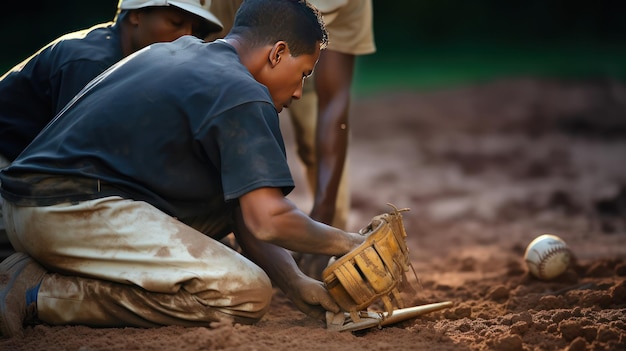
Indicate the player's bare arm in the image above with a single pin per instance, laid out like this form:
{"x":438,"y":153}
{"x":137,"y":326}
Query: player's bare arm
{"x":308,"y":294}
{"x":274,"y":219}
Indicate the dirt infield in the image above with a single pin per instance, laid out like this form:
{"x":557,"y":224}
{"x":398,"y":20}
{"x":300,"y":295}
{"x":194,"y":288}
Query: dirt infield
{"x":484,"y":169}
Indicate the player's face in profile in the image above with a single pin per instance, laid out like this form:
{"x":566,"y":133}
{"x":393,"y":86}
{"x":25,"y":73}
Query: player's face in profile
{"x":287,"y":77}
{"x":163,"y":24}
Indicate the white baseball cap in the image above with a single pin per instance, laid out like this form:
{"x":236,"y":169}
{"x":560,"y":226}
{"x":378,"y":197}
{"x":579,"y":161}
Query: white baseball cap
{"x":193,"y":6}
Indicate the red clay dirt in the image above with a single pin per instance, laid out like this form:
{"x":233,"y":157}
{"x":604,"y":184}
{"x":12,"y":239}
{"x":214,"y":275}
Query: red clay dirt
{"x":485,"y":169}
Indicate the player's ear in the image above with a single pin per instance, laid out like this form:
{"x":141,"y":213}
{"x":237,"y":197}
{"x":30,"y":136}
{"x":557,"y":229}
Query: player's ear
{"x":133,"y":17}
{"x":279,"y":49}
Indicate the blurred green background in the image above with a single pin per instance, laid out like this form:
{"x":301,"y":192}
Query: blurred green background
{"x":423,"y":44}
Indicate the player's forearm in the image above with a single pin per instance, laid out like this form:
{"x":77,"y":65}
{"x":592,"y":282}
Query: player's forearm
{"x":275,"y":261}
{"x":307,"y":294}
{"x":273,"y":219}
{"x":298,"y":232}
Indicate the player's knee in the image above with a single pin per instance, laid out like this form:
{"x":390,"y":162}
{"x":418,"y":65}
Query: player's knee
{"x":262,"y":288}
{"x":253,"y":296}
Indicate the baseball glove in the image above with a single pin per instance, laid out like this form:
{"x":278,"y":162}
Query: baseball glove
{"x":373,"y":270}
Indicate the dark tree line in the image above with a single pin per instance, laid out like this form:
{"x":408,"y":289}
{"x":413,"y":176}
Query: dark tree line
{"x":26,"y":26}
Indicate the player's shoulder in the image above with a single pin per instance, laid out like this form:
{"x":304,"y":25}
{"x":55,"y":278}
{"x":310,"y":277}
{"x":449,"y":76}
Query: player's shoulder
{"x":100,"y":42}
{"x":101,"y":29}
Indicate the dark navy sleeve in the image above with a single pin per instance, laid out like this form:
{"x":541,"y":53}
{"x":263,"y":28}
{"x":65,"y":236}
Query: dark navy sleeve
{"x":246,"y":145}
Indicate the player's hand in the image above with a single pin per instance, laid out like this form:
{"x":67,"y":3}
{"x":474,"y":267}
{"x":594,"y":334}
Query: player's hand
{"x":312,"y":265}
{"x":311,"y":297}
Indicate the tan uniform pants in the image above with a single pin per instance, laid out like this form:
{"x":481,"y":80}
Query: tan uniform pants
{"x":120,"y":262}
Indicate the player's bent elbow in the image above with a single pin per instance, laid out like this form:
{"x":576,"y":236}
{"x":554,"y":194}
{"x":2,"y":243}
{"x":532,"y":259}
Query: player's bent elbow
{"x":268,"y":235}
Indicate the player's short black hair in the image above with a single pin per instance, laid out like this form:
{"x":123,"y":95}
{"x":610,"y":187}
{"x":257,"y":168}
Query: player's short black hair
{"x":296,"y":22}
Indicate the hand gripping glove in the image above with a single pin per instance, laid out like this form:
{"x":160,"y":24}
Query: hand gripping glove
{"x":374,"y":269}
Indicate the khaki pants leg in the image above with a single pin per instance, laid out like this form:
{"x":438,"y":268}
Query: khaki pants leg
{"x":6,"y":249}
{"x":304,"y":116}
{"x":119,"y":263}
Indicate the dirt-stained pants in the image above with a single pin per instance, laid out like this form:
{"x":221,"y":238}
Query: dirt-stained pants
{"x":116,"y":262}
{"x":304,"y":115}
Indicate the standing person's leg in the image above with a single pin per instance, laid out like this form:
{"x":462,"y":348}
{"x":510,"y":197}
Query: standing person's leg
{"x":119,"y":262}
{"x":6,"y":249}
{"x":304,"y":114}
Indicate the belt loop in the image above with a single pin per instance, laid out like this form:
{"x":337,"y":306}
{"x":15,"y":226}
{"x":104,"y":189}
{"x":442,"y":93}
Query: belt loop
{"x":98,"y":185}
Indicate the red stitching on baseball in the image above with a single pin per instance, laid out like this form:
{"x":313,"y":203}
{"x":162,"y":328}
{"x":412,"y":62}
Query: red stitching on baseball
{"x":549,"y":253}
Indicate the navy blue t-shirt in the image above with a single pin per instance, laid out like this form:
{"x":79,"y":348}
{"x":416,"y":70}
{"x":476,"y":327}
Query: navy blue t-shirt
{"x":34,"y":91}
{"x":181,"y":125}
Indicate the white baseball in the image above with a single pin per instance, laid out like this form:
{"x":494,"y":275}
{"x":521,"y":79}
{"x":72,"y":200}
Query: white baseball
{"x":547,"y":256}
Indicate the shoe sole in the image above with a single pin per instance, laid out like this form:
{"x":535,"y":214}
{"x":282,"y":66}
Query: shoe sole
{"x":10,"y":269}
